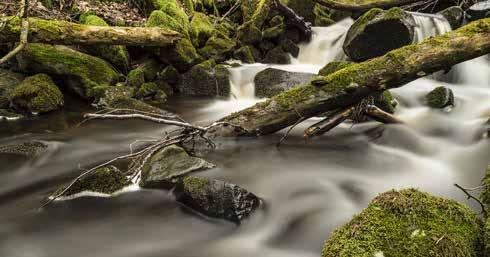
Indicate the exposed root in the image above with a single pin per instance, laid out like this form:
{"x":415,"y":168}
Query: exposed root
{"x":470,"y":196}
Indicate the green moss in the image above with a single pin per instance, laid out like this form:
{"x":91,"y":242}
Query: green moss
{"x":135,"y":78}
{"x":332,"y":67}
{"x":182,"y":55}
{"x":485,"y":192}
{"x":164,"y":20}
{"x":408,"y":223}
{"x":219,"y":47}
{"x":147,"y":71}
{"x":386,"y":102}
{"x":486,"y":237}
{"x":37,"y":94}
{"x":196,"y":186}
{"x":170,"y":75}
{"x":151,"y":91}
{"x":322,"y":17}
{"x":116,"y":55}
{"x":88,"y":71}
{"x":8,"y":81}
{"x":440,"y":97}
{"x":201,"y":29}
{"x":120,"y":97}
{"x":105,"y":180}
{"x":244,"y":54}
{"x":277,"y":55}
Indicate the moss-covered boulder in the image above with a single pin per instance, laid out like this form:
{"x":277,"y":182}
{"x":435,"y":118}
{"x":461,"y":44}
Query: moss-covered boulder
{"x":378,"y":32}
{"x":408,"y":223}
{"x":36,"y":94}
{"x":219,"y":47}
{"x":169,"y":14}
{"x":454,"y":15}
{"x":114,"y":54}
{"x":151,"y":91}
{"x":277,"y":55}
{"x":170,"y":75}
{"x":206,"y":79}
{"x":170,"y":163}
{"x":84,"y":74}
{"x":440,"y":97}
{"x":216,"y":198}
{"x":201,"y":29}
{"x":290,"y":47}
{"x":249,"y":34}
{"x":276,"y":29}
{"x":332,"y":67}
{"x":485,"y":192}
{"x":386,"y":102}
{"x":244,"y":54}
{"x":147,"y":71}
{"x":106,"y":180}
{"x":304,"y":8}
{"x":121,"y":97}
{"x":29,"y":149}
{"x":322,"y":16}
{"x":8,"y":81}
{"x":271,"y":82}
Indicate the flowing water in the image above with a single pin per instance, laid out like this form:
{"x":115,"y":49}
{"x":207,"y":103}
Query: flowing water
{"x":310,"y":187}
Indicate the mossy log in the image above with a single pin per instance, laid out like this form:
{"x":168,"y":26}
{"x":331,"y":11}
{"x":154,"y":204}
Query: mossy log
{"x":363,"y":5}
{"x":352,"y":84}
{"x":68,"y":33}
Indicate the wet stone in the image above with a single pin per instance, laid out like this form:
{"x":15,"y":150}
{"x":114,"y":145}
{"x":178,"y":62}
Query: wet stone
{"x":440,"y":97}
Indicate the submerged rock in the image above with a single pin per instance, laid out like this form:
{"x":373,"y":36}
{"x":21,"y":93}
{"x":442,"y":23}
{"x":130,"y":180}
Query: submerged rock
{"x":29,"y":149}
{"x":216,"y":198}
{"x":408,"y":223}
{"x":378,"y":32}
{"x":454,"y":15}
{"x":117,"y":55}
{"x":271,"y":82}
{"x":170,"y":163}
{"x":8,"y":81}
{"x":440,"y":97}
{"x":478,"y":11}
{"x":106,"y":180}
{"x":36,"y":94}
{"x":205,"y":79}
{"x":85,"y":75}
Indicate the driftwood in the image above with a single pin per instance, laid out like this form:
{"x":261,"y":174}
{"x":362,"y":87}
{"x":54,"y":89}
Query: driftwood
{"x":360,"y":6}
{"x":68,"y":33}
{"x":349,"y":86}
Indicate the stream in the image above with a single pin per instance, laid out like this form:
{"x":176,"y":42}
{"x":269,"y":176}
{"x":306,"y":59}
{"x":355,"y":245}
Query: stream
{"x":309,"y":188}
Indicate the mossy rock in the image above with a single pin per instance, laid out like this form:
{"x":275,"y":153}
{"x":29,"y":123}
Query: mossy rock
{"x":303,"y":8}
{"x":205,"y":79}
{"x":201,"y":29}
{"x":322,"y":17}
{"x":29,"y":149}
{"x":182,"y":55}
{"x":170,"y":75}
{"x":216,"y":198}
{"x":408,"y":223}
{"x":218,"y":47}
{"x":249,"y":34}
{"x":485,"y":192}
{"x":169,"y":14}
{"x":486,"y":236}
{"x":332,"y":67}
{"x":440,"y":97}
{"x":117,"y":55}
{"x":271,"y":82}
{"x":147,"y":71}
{"x":277,"y":28}
{"x":106,"y":180}
{"x":169,"y":163}
{"x":256,"y":11}
{"x":120,"y":97}
{"x":277,"y":55}
{"x":378,"y":32}
{"x":36,"y":94}
{"x":9,"y":115}
{"x":244,"y":54}
{"x":83,"y":73}
{"x":386,"y":102}
{"x":151,"y":91}
{"x":289,"y":46}
{"x":8,"y":81}
{"x":454,"y":15}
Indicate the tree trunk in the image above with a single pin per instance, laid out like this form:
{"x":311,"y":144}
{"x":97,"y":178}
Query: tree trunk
{"x":350,"y":85}
{"x":364,"y":5}
{"x":68,"y":33}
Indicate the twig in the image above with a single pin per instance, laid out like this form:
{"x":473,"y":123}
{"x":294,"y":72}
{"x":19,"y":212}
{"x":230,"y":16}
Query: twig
{"x":483,"y":210}
{"x":278,"y":145}
{"x":231,"y":10}
{"x":24,"y":33}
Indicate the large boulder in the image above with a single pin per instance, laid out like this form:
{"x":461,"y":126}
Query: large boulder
{"x":216,"y":198}
{"x":205,"y":79}
{"x":271,"y":82}
{"x":169,"y":163}
{"x":378,"y":32}
{"x":478,"y":11}
{"x":117,"y":55}
{"x":36,"y":94}
{"x":408,"y":223}
{"x":105,"y":180}
{"x":84,"y":74}
{"x":454,"y":15}
{"x":169,"y":15}
{"x":8,"y":81}
{"x":201,"y":29}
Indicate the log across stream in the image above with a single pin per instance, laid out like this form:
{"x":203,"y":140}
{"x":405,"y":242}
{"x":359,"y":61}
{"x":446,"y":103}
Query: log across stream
{"x":310,"y":188}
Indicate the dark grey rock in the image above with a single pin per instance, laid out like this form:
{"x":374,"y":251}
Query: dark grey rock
{"x":8,"y":81}
{"x":205,"y":79}
{"x":271,"y":82}
{"x":478,"y":11}
{"x":216,"y":198}
{"x":454,"y":15}
{"x":440,"y":97}
{"x":277,"y":55}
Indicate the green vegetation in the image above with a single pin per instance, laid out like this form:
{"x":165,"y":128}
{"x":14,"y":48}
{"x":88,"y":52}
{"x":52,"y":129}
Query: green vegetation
{"x":37,"y":94}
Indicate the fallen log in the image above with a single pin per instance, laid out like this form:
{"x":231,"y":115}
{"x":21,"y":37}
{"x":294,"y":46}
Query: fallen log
{"x":68,"y":33}
{"x":350,"y":85}
{"x":364,"y":5}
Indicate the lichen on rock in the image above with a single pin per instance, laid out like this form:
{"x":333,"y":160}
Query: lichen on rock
{"x":106,"y":180}
{"x":408,"y":223}
{"x":36,"y":94}
{"x":440,"y":97}
{"x":170,"y":163}
{"x":201,"y":29}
